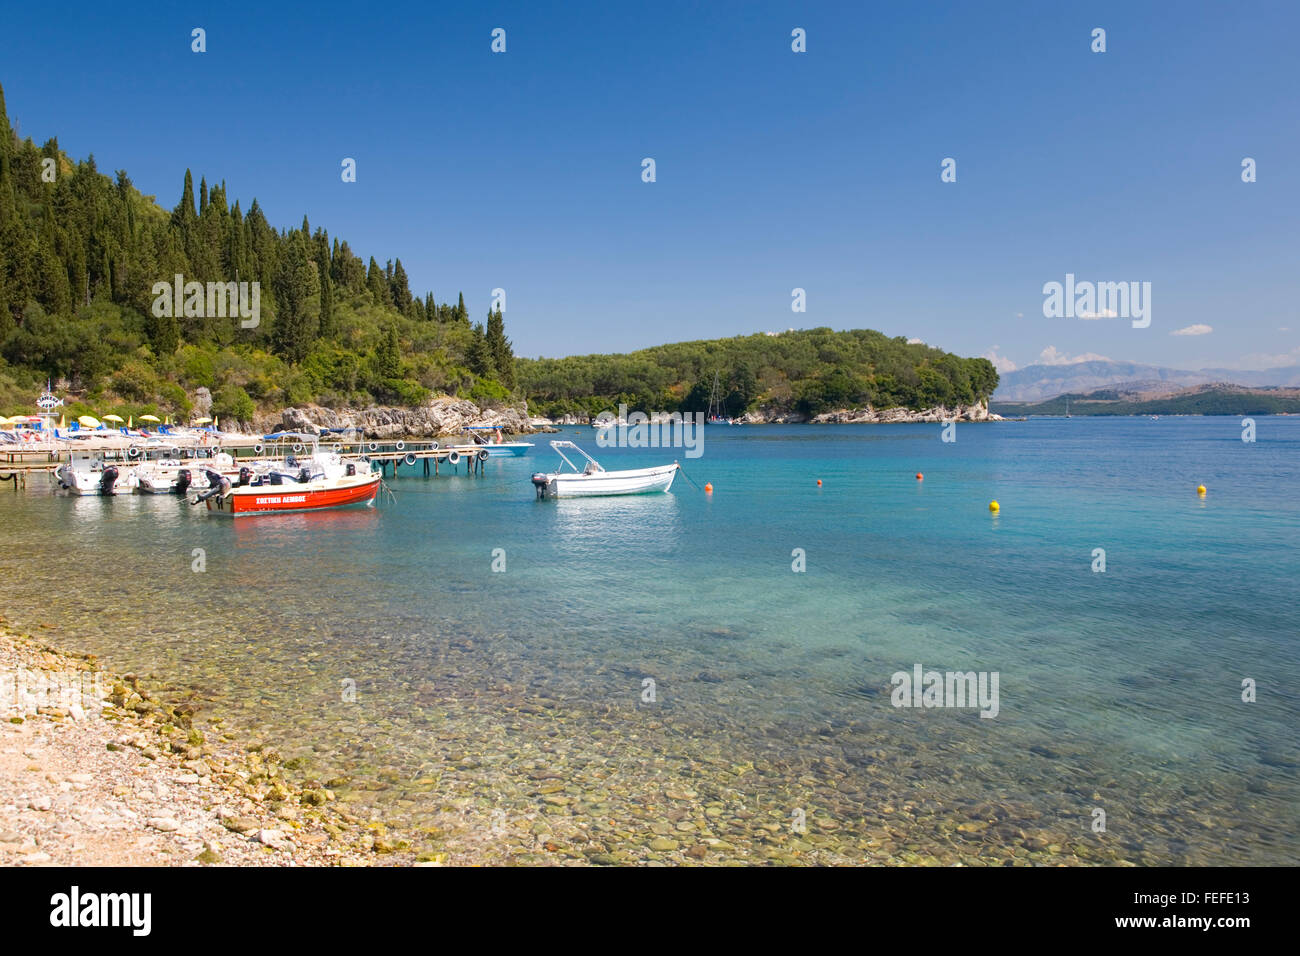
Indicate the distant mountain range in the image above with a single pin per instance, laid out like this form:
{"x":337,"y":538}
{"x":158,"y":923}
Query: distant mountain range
{"x":1162,"y":398}
{"x":1035,"y":383}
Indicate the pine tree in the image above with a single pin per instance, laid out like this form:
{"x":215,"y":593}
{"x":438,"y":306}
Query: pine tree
{"x":462,"y":314}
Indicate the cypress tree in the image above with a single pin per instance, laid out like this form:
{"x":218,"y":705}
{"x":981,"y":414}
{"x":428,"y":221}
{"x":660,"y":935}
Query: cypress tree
{"x":503,"y":356}
{"x":401,"y":291}
{"x":297,"y":285}
{"x":184,"y":212}
{"x":479,"y":356}
{"x":8,"y":197}
{"x":388,"y":357}
{"x":377,"y":283}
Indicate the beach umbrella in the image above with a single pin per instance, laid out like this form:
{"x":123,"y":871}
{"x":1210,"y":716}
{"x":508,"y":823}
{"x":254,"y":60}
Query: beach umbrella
{"x":148,"y":418}
{"x":5,"y":421}
{"x":88,"y":421}
{"x":215,"y":426}
{"x":63,"y":421}
{"x":202,"y":421}
{"x":113,"y":418}
{"x":130,"y":421}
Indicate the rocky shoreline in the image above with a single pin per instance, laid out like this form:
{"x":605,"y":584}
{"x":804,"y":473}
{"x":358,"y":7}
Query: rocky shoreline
{"x":979,"y":412}
{"x":446,"y":416}
{"x":133,"y":779}
{"x":439,"y":417}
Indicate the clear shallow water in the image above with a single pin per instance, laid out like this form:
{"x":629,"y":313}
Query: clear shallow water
{"x":1119,"y":690}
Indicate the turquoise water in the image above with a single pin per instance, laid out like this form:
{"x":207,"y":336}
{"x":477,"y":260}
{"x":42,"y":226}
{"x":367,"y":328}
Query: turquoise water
{"x":1118,"y":690}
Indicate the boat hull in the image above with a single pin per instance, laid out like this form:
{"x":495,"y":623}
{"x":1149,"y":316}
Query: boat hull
{"x":77,"y":482}
{"x":639,"y":481}
{"x":514,"y":449}
{"x":277,"y":499}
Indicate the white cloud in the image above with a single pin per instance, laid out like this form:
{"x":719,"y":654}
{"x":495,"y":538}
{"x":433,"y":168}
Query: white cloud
{"x":1053,"y":356}
{"x":915,"y":342}
{"x":1193,"y":330}
{"x":1103,"y":314}
{"x":1000,"y":362}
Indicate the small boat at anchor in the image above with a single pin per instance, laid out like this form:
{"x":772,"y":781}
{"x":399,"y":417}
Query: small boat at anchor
{"x":491,"y":438}
{"x":593,"y":480}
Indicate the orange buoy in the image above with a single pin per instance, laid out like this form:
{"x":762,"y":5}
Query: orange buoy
{"x":819,"y":482}
{"x":920,"y":477}
{"x":708,"y":488}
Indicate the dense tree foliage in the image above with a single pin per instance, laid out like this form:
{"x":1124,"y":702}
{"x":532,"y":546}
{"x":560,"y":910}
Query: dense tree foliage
{"x":810,"y":371}
{"x":80,"y":254}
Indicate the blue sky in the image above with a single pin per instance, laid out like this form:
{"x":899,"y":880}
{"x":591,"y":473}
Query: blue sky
{"x":775,"y":170}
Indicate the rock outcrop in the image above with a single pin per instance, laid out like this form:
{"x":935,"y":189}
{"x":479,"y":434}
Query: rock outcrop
{"x":773,"y":415}
{"x":439,"y":416}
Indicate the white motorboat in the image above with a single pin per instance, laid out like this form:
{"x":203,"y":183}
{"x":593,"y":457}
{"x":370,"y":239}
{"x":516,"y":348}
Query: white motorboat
{"x":495,"y":443}
{"x":87,"y":473}
{"x":593,"y":480}
{"x":175,"y":476}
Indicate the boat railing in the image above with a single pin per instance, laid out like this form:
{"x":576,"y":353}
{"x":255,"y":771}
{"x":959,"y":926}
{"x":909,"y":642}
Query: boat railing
{"x":593,"y":467}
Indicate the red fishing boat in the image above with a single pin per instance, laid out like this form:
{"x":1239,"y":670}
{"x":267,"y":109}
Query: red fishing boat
{"x":308,"y":496}
{"x":317,"y":481}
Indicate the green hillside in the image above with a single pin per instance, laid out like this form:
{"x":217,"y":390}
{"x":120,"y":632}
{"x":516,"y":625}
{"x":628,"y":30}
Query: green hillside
{"x":80,"y":254}
{"x":809,"y":371}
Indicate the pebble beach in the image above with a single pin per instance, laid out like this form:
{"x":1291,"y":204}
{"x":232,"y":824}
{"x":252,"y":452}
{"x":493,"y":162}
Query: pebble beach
{"x":137,"y":783}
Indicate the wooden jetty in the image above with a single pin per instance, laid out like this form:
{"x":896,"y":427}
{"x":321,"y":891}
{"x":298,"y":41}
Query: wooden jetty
{"x":430,"y":456}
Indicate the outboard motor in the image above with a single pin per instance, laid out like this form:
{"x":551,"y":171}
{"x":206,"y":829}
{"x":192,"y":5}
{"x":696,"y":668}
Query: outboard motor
{"x":540,"y":481}
{"x":218,"y":486}
{"x":107,"y":480}
{"x":245,"y":476}
{"x":304,"y":475}
{"x":291,"y":461}
{"x":183,"y":480}
{"x":352,"y":469}
{"x":275,"y":478}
